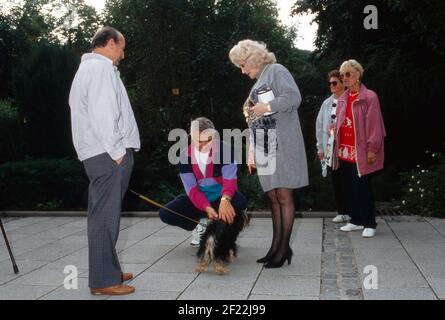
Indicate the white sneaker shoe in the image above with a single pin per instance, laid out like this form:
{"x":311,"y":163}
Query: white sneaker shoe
{"x":341,"y":218}
{"x":198,"y":232}
{"x":369,"y":233}
{"x":351,"y":227}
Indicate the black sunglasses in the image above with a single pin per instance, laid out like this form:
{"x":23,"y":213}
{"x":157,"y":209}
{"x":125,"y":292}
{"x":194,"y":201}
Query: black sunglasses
{"x":346,"y":75}
{"x":333,"y":83}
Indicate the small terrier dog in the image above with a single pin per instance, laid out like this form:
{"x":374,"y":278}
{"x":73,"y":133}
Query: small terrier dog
{"x":218,"y":244}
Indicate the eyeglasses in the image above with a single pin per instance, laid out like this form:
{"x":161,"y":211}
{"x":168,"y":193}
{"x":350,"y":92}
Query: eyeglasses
{"x":346,"y":75}
{"x":333,"y":83}
{"x":205,"y":141}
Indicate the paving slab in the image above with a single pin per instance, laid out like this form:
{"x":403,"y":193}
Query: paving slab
{"x":23,"y":292}
{"x":157,"y":281}
{"x":287,"y":285}
{"x":400,"y":294}
{"x":438,"y":285}
{"x":272,"y":297}
{"x":7,"y":273}
{"x":409,"y":253}
{"x":148,"y":295}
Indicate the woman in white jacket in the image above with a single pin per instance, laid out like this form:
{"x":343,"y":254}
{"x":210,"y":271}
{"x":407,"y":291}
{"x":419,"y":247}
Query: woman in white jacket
{"x":325,"y":120}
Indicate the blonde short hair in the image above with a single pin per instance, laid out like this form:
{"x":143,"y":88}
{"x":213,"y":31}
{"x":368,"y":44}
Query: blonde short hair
{"x":354,"y":64}
{"x":253,"y":53}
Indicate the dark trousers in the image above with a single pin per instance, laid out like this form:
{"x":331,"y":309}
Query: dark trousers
{"x":339,"y":194}
{"x":182,"y":205}
{"x":108,"y":184}
{"x":359,"y":200}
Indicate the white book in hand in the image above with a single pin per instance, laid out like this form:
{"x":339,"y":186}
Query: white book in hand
{"x":266,"y":96}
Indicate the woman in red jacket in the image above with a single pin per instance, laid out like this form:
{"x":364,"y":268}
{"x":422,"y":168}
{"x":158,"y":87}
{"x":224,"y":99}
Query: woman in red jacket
{"x":360,"y":148}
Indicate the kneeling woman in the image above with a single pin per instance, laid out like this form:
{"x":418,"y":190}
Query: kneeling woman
{"x":210,"y":183}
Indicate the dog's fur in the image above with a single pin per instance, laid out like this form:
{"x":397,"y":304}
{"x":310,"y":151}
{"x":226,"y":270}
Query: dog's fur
{"x":218,"y":244}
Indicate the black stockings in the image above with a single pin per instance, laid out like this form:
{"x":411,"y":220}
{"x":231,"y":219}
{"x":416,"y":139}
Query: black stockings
{"x":283,"y":215}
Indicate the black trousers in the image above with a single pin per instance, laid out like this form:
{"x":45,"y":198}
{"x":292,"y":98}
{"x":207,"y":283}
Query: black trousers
{"x":359,"y":202}
{"x":339,"y":193}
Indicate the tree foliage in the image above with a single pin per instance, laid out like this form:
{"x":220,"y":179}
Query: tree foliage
{"x":68,"y":23}
{"x":184,"y":45}
{"x":40,"y":43}
{"x":180,"y":44}
{"x":42,"y":89}
{"x":403,"y":60}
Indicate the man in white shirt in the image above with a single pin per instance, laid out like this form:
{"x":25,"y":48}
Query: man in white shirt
{"x":105,"y":134}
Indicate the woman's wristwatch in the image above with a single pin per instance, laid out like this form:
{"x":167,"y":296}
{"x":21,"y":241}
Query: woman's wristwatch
{"x":268,"y":107}
{"x":226,"y":198}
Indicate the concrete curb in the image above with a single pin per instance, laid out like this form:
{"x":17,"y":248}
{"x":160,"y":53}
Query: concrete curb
{"x":147,"y":214}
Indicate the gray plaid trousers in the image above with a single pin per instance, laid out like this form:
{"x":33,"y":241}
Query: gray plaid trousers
{"x":108,"y":184}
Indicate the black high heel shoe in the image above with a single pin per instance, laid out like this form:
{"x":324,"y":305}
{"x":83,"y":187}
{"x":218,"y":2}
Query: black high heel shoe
{"x":266,"y":258}
{"x":279,"y":263}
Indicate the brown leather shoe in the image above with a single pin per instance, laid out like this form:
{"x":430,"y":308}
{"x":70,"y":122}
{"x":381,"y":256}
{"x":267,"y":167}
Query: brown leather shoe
{"x":118,"y":290}
{"x":126,"y":276}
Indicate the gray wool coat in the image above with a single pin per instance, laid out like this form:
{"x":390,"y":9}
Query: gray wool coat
{"x":284,"y":164}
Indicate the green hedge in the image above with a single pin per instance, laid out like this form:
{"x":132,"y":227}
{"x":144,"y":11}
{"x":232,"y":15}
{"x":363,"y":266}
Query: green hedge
{"x":424,"y":188}
{"x":61,"y":184}
{"x":11,"y":135}
{"x":43,"y":184}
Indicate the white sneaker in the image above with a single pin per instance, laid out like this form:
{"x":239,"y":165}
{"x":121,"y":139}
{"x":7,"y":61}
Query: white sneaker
{"x":341,"y":218}
{"x":368,"y":233}
{"x":351,"y":227}
{"x":198,"y":232}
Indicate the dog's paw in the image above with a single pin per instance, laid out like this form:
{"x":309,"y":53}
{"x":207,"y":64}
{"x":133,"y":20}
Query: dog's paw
{"x":221,"y":269}
{"x":231,"y":258}
{"x":202,"y":267}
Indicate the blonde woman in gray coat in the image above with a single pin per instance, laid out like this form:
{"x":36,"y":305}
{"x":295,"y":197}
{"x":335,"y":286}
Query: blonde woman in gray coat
{"x":278,"y":148}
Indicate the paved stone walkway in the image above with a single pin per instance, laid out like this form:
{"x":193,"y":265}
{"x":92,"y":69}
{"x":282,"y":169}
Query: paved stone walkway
{"x":340,"y":276}
{"x":408,"y":255}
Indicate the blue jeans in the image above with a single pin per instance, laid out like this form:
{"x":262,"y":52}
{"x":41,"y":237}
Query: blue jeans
{"x":183,"y":205}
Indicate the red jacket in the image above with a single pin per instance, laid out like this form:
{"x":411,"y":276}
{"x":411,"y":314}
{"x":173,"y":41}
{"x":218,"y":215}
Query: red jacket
{"x":368,"y":127}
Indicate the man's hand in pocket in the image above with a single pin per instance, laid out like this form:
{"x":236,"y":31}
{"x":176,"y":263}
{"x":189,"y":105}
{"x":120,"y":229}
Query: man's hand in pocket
{"x":119,"y":161}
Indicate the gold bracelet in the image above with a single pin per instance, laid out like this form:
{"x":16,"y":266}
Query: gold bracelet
{"x":269,"y":108}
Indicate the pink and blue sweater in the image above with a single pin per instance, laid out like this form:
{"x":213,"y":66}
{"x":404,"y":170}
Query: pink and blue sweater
{"x":220,"y":176}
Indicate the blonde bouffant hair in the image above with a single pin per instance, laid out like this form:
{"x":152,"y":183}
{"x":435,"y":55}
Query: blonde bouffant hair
{"x":253,"y":53}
